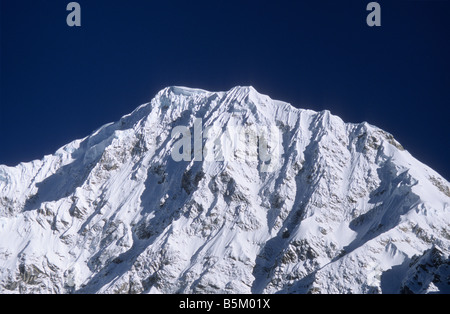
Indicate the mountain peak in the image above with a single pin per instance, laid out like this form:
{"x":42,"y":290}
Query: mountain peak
{"x":237,"y":91}
{"x":181,"y":90}
{"x":224,"y":192}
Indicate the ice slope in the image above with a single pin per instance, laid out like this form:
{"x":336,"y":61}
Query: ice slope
{"x":333,"y":207}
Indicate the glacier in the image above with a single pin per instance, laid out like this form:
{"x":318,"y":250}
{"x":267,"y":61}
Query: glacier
{"x":344,"y":209}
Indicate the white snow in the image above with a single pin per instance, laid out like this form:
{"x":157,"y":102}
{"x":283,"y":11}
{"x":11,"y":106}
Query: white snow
{"x":337,"y":208}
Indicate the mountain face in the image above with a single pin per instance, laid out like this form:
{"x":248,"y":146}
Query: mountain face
{"x":225,"y":192}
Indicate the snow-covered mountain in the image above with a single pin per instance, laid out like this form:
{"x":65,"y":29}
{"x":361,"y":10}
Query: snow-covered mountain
{"x":266,"y":198}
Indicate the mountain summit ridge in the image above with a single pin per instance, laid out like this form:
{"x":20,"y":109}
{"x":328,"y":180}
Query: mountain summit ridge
{"x":267,"y":198}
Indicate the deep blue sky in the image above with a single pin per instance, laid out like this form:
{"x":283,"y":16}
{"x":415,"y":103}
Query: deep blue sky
{"x":60,"y":83}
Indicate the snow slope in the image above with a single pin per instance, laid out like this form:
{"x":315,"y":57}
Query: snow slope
{"x":326,"y":207}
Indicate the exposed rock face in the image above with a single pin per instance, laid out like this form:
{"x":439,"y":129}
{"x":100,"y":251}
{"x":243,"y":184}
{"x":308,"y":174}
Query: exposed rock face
{"x":314,"y":205}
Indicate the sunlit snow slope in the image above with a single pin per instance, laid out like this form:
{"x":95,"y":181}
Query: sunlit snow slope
{"x":343,"y":208}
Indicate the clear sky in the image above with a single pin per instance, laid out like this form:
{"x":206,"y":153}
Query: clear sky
{"x":59,"y":83}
